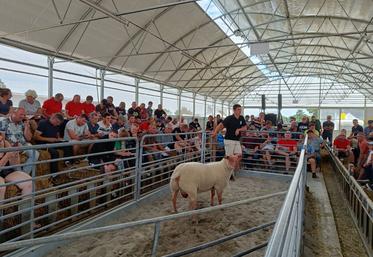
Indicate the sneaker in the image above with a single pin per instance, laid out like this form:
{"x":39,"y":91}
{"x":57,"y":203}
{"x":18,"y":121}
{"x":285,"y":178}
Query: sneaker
{"x":314,"y":175}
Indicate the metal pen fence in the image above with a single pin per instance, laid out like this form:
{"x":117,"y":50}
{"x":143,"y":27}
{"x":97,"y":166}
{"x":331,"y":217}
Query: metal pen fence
{"x":287,"y":235}
{"x":359,"y":203}
{"x":114,"y":172}
{"x":271,"y":151}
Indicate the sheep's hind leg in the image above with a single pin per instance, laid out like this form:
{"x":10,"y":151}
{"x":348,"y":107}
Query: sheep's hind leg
{"x":212,"y":196}
{"x":174,"y":197}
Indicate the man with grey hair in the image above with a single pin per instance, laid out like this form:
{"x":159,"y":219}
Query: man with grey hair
{"x":16,"y":130}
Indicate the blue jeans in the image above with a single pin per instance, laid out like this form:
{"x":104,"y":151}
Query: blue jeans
{"x":33,"y":156}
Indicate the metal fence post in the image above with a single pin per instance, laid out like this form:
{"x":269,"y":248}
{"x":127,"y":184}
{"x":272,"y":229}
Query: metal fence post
{"x":203,"y":147}
{"x":32,"y":214}
{"x":139,"y":153}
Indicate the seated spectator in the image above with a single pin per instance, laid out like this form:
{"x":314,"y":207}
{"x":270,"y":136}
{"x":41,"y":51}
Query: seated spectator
{"x":367,"y":172}
{"x":111,"y":107}
{"x":30,"y":104}
{"x":267,"y":126}
{"x":287,"y":147}
{"x":181,"y":140}
{"x":303,"y":125}
{"x":194,"y":125}
{"x":48,"y":132}
{"x":166,"y":139}
{"x":74,"y":108}
{"x":134,"y":111}
{"x":6,"y":104}
{"x":210,"y":124}
{"x":280,"y":131}
{"x":52,"y":105}
{"x":267,"y":149}
{"x":342,"y":146}
{"x":150,"y":109}
{"x":153,"y":150}
{"x":104,"y":126}
{"x":119,"y":123}
{"x":88,"y":106}
{"x":316,"y":143}
{"x":9,"y":175}
{"x":102,"y":108}
{"x":251,"y":142}
{"x":311,"y":156}
{"x":121,"y":109}
{"x":363,"y":153}
{"x":369,"y":128}
{"x":77,"y":130}
{"x":312,"y":126}
{"x":143,"y":112}
{"x":92,"y":124}
{"x":159,"y":113}
{"x":218,"y":119}
{"x":16,"y":130}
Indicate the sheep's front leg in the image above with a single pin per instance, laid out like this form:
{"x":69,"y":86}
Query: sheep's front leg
{"x":174,"y":197}
{"x":220,"y":196}
{"x":212,"y":196}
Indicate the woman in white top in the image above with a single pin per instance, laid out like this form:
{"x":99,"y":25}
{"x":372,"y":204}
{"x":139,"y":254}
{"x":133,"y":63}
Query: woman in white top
{"x":30,"y":104}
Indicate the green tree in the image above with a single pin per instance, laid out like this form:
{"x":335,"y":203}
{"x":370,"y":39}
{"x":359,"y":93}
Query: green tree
{"x":313,"y":111}
{"x":299,"y":114}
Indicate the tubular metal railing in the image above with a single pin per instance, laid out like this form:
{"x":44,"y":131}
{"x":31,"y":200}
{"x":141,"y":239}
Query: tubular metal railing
{"x":359,"y":203}
{"x":100,"y":181}
{"x":286,"y":239}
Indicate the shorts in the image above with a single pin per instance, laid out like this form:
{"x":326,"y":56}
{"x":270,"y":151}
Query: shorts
{"x":232,"y":147}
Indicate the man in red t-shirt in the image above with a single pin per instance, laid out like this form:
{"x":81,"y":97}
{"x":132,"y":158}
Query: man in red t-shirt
{"x":87,"y":106}
{"x":342,"y":146}
{"x":287,"y":147}
{"x":52,"y":105}
{"x":74,"y":108}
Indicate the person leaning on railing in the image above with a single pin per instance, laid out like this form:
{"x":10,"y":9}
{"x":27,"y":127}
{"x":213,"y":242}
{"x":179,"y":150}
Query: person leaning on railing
{"x":311,"y":154}
{"x":342,"y":147}
{"x":287,"y":147}
{"x":8,"y":175}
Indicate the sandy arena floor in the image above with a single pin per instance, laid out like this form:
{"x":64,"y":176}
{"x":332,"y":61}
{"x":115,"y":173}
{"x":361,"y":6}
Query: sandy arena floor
{"x":181,"y":233}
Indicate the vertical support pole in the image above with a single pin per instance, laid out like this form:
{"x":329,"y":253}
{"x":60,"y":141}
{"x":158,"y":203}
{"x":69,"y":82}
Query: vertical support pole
{"x":50,"y":76}
{"x":203,"y":147}
{"x":157,"y":230}
{"x":214,"y":108}
{"x":102,"y":84}
{"x":243,"y":106}
{"x":204,"y":112}
{"x":179,"y":103}
{"x":222,"y":109}
{"x":139,"y":154}
{"x":33,"y":176}
{"x":137,"y":82}
{"x":319,"y":99}
{"x":365,"y":110}
{"x":161,"y":100}
{"x":194,"y":105}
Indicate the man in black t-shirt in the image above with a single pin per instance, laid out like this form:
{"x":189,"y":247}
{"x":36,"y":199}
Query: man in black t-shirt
{"x":159,"y":113}
{"x":303,"y":125}
{"x":234,"y":124}
{"x":48,"y":133}
{"x":328,"y":127}
{"x":134,"y":110}
{"x":356,"y":128}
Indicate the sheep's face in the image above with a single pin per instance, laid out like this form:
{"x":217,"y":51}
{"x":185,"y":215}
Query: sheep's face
{"x":233,"y":161}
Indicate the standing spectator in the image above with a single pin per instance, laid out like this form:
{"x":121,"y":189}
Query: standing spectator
{"x":218,"y":119}
{"x":111,"y":107}
{"x":194,"y":125}
{"x":77,"y":130}
{"x":104,"y":126}
{"x":143,"y":112}
{"x":234,"y":124}
{"x":159,"y":113}
{"x":303,"y":125}
{"x":150,"y":109}
{"x":134,"y":110}
{"x":356,"y":128}
{"x":16,"y":130}
{"x":311,"y":154}
{"x":210,"y":123}
{"x":5,"y":103}
{"x":52,"y":105}
{"x":101,"y":108}
{"x":317,"y":123}
{"x":121,"y":109}
{"x":369,"y":128}
{"x":74,"y":107}
{"x":30,"y":104}
{"x":328,"y":127}
{"x":88,"y":106}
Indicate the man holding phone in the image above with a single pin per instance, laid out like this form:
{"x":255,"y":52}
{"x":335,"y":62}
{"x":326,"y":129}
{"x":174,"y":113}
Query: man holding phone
{"x":77,"y":130}
{"x":16,"y":130}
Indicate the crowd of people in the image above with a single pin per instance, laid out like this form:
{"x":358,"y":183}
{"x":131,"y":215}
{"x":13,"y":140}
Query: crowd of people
{"x":256,"y":138}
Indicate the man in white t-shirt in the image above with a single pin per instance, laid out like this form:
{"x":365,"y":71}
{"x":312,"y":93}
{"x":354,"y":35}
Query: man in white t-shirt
{"x":77,"y":130}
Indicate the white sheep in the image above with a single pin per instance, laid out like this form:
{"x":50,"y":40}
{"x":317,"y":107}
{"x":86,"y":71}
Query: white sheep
{"x":193,"y":177}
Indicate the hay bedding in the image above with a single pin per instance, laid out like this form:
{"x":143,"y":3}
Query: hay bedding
{"x":181,"y":233}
